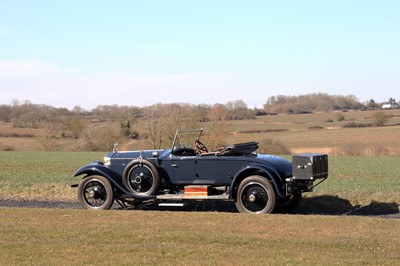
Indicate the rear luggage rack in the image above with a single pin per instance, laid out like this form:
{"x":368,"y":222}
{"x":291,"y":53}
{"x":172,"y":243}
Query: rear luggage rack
{"x":310,"y":166}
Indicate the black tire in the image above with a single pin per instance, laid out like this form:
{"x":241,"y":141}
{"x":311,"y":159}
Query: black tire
{"x":141,"y":177}
{"x":95,"y":193}
{"x":255,"y":195}
{"x":286,"y":205}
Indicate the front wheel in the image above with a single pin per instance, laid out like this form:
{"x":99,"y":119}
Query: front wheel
{"x":255,"y":195}
{"x":95,"y":193}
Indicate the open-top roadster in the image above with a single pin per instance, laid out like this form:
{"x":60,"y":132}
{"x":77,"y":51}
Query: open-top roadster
{"x":257,"y":183}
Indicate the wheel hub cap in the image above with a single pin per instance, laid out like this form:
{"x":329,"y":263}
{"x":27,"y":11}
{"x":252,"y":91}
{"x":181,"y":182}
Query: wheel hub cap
{"x":252,"y":198}
{"x":94,"y":193}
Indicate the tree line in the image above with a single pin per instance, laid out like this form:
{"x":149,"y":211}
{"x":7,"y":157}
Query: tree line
{"x":156,"y":124}
{"x":317,"y":102}
{"x":311,"y":103}
{"x":28,"y":115}
{"x":108,"y":124}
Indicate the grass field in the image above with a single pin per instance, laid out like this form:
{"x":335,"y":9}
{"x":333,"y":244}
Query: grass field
{"x":48,"y":175}
{"x":77,"y":237}
{"x":41,"y":175}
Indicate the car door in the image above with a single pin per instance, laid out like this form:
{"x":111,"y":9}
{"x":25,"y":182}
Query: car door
{"x":217,"y":170}
{"x":183,"y":169}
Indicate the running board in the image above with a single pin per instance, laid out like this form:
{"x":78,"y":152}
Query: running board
{"x":171,"y":204}
{"x":186,"y":197}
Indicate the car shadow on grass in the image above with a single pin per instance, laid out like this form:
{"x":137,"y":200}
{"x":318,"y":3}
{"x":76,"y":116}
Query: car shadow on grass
{"x":194,"y":206}
{"x":319,"y":205}
{"x":333,"y":205}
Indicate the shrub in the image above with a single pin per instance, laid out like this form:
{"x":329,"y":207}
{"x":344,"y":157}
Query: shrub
{"x":16,"y":135}
{"x":381,"y":151}
{"x":340,"y":117}
{"x":270,"y":146}
{"x":380,"y":118}
{"x":315,"y":128}
{"x":6,"y":148}
{"x":357,"y":125}
{"x":263,"y":130}
{"x":354,"y":149}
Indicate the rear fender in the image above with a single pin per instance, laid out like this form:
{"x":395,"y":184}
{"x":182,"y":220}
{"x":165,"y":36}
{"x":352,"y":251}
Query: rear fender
{"x":97,"y":168}
{"x":257,"y":169}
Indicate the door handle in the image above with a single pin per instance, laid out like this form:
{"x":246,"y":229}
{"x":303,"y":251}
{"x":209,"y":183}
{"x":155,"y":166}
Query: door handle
{"x":174,"y":165}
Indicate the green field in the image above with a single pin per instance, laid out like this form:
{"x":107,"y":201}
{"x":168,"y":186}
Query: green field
{"x":41,"y":175}
{"x":48,"y":175}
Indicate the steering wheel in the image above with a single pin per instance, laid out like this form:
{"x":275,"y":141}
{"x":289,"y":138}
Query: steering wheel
{"x":200,"y":147}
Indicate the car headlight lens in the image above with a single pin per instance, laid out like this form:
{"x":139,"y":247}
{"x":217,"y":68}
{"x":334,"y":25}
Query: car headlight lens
{"x":107,"y":160}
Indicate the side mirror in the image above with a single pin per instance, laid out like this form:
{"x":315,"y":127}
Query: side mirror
{"x":155,"y":154}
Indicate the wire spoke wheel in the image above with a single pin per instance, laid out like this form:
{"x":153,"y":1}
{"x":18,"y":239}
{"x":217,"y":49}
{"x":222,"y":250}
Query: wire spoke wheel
{"x":95,"y":192}
{"x":255,"y":195}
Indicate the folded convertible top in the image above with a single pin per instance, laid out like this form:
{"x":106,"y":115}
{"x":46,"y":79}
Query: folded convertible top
{"x":236,"y":149}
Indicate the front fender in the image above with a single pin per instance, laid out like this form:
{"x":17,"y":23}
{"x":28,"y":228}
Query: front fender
{"x":273,"y":175}
{"x":98,"y":168}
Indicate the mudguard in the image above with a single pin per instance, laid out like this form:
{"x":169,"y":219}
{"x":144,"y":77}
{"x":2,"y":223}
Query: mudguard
{"x":98,"y":168}
{"x":269,"y":171}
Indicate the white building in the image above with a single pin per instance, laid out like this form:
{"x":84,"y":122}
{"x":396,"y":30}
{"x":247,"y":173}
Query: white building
{"x":392,"y":105}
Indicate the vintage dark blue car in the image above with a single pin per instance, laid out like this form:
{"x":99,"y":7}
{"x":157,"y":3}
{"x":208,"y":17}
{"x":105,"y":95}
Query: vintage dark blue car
{"x":257,"y":183}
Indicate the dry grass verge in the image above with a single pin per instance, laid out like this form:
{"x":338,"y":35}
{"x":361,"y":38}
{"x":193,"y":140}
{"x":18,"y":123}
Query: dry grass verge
{"x":75,"y":237}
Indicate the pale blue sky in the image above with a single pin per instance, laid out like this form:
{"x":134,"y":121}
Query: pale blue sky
{"x":89,"y":53}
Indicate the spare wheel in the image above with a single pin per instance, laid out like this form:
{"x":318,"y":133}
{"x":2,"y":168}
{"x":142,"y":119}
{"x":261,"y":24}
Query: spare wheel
{"x":141,"y":177}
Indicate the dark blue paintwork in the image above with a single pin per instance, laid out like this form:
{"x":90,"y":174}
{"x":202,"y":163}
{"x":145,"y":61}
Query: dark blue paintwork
{"x":196,"y":170}
{"x":137,"y":176}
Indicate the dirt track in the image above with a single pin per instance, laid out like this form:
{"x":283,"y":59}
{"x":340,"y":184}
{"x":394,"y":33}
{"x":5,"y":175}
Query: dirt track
{"x":379,"y":210}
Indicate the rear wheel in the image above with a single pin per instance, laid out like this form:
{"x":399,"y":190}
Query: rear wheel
{"x":255,"y":195}
{"x":95,"y":193}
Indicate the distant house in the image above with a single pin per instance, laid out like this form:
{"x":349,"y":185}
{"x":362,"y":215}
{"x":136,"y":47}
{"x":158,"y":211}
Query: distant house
{"x":391,"y":105}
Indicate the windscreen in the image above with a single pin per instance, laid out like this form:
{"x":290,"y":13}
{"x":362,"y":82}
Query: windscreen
{"x":186,"y":138}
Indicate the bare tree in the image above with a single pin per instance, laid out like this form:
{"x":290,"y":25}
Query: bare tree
{"x":73,"y":126}
{"x":238,"y":110}
{"x":151,"y":126}
{"x":5,"y":112}
{"x":218,"y":126}
{"x":48,"y":135}
{"x":160,"y":122}
{"x":101,"y":137}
